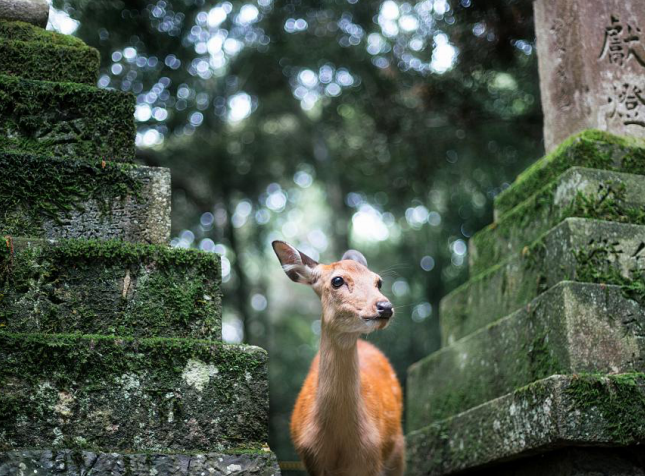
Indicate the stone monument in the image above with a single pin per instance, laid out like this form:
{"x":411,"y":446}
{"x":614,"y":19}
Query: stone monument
{"x":592,"y":66}
{"x":111,"y":360}
{"x":541,"y":369}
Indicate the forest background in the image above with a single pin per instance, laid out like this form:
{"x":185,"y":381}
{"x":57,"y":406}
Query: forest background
{"x":385,"y":126}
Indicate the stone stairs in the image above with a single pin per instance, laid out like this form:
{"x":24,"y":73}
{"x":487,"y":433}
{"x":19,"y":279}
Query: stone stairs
{"x":544,"y":347}
{"x":111,"y":360}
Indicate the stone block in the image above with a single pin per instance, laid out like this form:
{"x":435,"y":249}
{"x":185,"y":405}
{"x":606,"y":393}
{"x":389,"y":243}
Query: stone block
{"x":66,"y":120}
{"x":572,"y":328}
{"x":49,"y":62}
{"x":590,"y":149}
{"x":109,"y":287}
{"x":84,"y":463}
{"x":579,"y":192}
{"x":591,"y":58}
{"x":30,"y":11}
{"x":46,"y":197}
{"x":578,"y":249}
{"x":573,"y":461}
{"x":120,"y":394}
{"x":576,"y":410}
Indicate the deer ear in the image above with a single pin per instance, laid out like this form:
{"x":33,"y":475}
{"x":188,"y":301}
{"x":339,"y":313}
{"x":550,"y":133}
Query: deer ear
{"x":355,"y":256}
{"x":298,"y":266}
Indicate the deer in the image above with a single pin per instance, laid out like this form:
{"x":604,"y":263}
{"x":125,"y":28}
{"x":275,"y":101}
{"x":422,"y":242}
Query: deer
{"x":347,"y":416}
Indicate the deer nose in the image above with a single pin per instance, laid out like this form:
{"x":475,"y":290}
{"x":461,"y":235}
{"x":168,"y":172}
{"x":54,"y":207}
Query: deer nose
{"x":384,"y":309}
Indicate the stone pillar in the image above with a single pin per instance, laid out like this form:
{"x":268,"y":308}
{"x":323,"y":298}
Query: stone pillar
{"x":592,"y":66}
{"x":543,"y":358}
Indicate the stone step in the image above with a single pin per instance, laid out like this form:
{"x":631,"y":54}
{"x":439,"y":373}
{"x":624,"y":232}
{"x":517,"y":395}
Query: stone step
{"x":84,"y":463}
{"x":33,"y":53}
{"x":46,"y":197}
{"x":108,"y":287}
{"x":579,"y":192}
{"x":572,"y":328}
{"x":580,"y":410}
{"x":66,"y":120}
{"x":592,"y":148}
{"x":578,"y":249}
{"x":120,"y":394}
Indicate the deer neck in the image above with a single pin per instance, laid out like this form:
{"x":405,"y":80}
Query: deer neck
{"x":339,"y":405}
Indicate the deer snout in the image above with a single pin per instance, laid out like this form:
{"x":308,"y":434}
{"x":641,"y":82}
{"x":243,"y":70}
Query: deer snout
{"x":384,"y":309}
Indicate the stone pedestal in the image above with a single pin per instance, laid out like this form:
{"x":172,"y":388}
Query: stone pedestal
{"x":592,"y":66}
{"x":111,"y":360}
{"x":544,"y":346}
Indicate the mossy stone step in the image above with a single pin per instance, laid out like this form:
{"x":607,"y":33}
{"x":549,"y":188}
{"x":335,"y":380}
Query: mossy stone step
{"x":592,"y":149}
{"x":84,"y":463}
{"x":127,"y":395}
{"x":22,"y":31}
{"x":49,"y":62}
{"x":578,"y":249}
{"x":580,"y":410}
{"x":108,"y":287}
{"x":66,"y":120}
{"x":46,"y":197}
{"x":572,"y":328}
{"x":579,"y":192}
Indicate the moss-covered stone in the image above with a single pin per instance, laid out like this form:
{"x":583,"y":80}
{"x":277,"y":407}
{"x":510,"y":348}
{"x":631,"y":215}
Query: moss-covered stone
{"x":592,"y":410}
{"x":592,"y":149}
{"x":108,"y":287}
{"x":577,"y":249}
{"x":122,"y":394}
{"x":49,"y":62}
{"x":579,"y":192}
{"x":572,"y":328}
{"x":66,"y":120}
{"x":84,"y":463}
{"x":21,"y":31}
{"x":46,"y":197}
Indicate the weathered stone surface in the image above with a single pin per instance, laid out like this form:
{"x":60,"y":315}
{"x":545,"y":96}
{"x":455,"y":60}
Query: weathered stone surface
{"x":572,"y":328}
{"x":577,"y":249}
{"x":574,"y":461}
{"x":45,"y":197}
{"x":44,"y":61}
{"x":66,"y":120}
{"x":592,"y":61}
{"x":84,"y":463}
{"x":121,"y":394}
{"x":579,"y":192}
{"x":557,"y":411}
{"x":591,"y":149}
{"x":109,"y":287}
{"x":29,"y":11}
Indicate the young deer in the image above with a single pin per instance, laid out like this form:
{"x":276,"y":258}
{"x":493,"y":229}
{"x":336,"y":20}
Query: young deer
{"x":347,"y":419}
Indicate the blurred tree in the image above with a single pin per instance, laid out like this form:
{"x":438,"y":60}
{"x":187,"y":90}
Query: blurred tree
{"x":388,"y":126}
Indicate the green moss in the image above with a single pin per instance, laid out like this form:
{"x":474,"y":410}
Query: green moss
{"x":591,"y":148}
{"x":50,"y":62}
{"x":34,"y":188}
{"x":620,"y":399}
{"x":17,"y":30}
{"x":595,"y":264}
{"x":109,"y":287}
{"x":536,"y":216}
{"x":66,"y":120}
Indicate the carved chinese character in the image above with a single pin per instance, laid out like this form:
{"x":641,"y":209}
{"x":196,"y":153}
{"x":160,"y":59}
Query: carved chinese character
{"x":628,"y":104}
{"x":622,"y":42}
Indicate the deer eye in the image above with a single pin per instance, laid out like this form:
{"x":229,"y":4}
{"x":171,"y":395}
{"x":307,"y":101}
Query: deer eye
{"x":379,"y":283}
{"x":337,"y":282}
